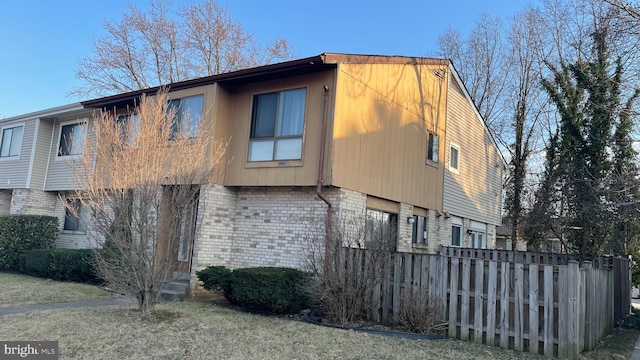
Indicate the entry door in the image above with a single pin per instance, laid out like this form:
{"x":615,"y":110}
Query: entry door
{"x":187,"y":233}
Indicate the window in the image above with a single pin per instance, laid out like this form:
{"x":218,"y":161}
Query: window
{"x":478,"y":239}
{"x":420,"y":230}
{"x":456,"y":232}
{"x":72,"y":138}
{"x":129,"y":127}
{"x":276,"y":126}
{"x":381,"y":230}
{"x":73,"y":216}
{"x":433,"y":148}
{"x":187,"y":117}
{"x":454,"y":158}
{"x":11,"y":141}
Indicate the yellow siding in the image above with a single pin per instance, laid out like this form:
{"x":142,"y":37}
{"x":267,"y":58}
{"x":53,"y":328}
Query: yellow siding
{"x":383,"y":113}
{"x":303,"y":172}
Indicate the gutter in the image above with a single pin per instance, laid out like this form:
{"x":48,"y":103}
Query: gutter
{"x":323,"y":136}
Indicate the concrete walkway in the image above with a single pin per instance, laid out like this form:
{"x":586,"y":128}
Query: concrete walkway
{"x":635,"y":355}
{"x":89,"y":303}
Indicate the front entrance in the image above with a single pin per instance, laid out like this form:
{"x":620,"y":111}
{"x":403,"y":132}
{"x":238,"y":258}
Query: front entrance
{"x":187,"y":234}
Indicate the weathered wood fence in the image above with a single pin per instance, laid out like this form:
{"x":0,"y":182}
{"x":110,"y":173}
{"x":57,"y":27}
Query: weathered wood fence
{"x":535,"y":303}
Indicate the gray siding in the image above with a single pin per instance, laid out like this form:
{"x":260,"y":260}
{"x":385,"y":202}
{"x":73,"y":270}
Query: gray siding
{"x":59,"y":174}
{"x":41,"y":153}
{"x":14,"y":171}
{"x":476,"y":191}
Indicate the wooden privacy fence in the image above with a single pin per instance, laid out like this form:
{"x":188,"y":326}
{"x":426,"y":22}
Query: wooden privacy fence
{"x":556,"y":310}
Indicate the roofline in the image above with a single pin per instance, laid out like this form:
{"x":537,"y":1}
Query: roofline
{"x":313,"y":61}
{"x":462,"y":86}
{"x":58,"y":110}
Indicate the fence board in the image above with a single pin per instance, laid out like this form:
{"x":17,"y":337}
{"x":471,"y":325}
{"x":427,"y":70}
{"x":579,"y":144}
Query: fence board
{"x":397,"y":285}
{"x":491,"y":303}
{"x":548,"y":311}
{"x":504,"y":305}
{"x":464,"y":300}
{"x":533,"y":308}
{"x":453,"y":298}
{"x":518,"y":308}
{"x":478,"y":302}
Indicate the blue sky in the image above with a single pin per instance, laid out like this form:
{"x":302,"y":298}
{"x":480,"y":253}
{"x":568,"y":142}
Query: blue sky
{"x":42,"y":40}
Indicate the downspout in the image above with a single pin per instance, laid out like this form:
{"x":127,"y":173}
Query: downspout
{"x":323,"y":136}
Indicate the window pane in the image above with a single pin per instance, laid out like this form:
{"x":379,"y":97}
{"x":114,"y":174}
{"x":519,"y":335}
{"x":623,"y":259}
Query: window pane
{"x":287,"y":149}
{"x":436,"y":149}
{"x":264,"y":115}
{"x":291,"y":112}
{"x":6,"y":142}
{"x":16,"y":141}
{"x":191,"y":114}
{"x":174,"y":108}
{"x":260,"y":150}
{"x":453,"y":161}
{"x":77,"y":138}
{"x":65,"y":140}
{"x":455,"y":235}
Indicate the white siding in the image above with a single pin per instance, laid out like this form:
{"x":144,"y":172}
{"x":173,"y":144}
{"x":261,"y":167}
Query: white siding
{"x":43,"y":143}
{"x":59,"y":174}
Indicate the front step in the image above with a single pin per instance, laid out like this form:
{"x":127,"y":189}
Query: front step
{"x":175,"y":290}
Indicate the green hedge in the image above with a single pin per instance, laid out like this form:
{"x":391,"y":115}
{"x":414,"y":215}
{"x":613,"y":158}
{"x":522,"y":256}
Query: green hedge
{"x":60,"y":264}
{"x":21,"y":233}
{"x":263,"y":289}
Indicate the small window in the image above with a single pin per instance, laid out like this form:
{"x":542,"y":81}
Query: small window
{"x":456,"y":232}
{"x":11,"y":141}
{"x":433,"y":148}
{"x":72,"y":138}
{"x":478,"y":239}
{"x":187,"y":117}
{"x":73,"y":216}
{"x":381,"y":230}
{"x":454,"y":158}
{"x":277,"y":123}
{"x":420,"y":230}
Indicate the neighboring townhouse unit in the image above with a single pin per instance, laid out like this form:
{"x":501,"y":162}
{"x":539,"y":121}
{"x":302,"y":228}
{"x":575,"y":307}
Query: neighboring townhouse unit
{"x":389,"y":139}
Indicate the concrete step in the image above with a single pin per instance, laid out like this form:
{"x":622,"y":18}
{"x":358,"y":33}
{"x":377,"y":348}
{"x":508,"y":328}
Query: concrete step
{"x":182,"y":285}
{"x":175,"y":290}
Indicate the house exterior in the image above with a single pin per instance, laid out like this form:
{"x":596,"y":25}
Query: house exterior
{"x":386,"y":138}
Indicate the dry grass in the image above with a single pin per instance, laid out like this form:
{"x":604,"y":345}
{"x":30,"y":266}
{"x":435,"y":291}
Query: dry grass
{"x":204,"y":331}
{"x":18,"y":289}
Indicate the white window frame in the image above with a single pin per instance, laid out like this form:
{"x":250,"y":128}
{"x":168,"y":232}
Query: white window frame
{"x":476,"y":229}
{"x":276,"y":138}
{"x":11,"y":126}
{"x":457,"y":222}
{"x":454,"y":168}
{"x":81,"y":122}
{"x":79,"y":218}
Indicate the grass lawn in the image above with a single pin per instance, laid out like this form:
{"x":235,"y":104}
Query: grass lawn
{"x":188,"y":330}
{"x":19,"y":289}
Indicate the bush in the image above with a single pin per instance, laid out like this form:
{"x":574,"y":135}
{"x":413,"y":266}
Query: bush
{"x":60,"y":264}
{"x":21,"y":233}
{"x":217,"y":278}
{"x":263,"y":289}
{"x":418,"y":312}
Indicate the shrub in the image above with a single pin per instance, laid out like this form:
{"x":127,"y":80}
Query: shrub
{"x":60,"y":264}
{"x":263,"y":289}
{"x":268,"y":289}
{"x":21,"y":233}
{"x":217,"y":278}
{"x":418,"y":312}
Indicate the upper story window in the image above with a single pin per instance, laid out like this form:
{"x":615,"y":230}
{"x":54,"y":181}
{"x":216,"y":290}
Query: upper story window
{"x":277,"y":124}
{"x":454,"y":158}
{"x":187,"y":117}
{"x":72,"y":137}
{"x":11,"y":141}
{"x":433,"y":148}
{"x":129,"y":127}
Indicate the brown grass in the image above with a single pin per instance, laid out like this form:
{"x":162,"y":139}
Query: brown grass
{"x":18,"y":289}
{"x":204,"y":331}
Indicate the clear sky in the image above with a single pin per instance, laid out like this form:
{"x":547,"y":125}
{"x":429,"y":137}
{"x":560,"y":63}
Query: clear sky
{"x":42,"y":40}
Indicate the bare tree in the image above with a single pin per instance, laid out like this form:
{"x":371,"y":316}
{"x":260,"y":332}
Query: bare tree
{"x":158,"y":47}
{"x":139,"y":180}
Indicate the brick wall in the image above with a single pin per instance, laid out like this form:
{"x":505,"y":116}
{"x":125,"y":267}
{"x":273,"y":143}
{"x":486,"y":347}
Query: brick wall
{"x":33,"y":202}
